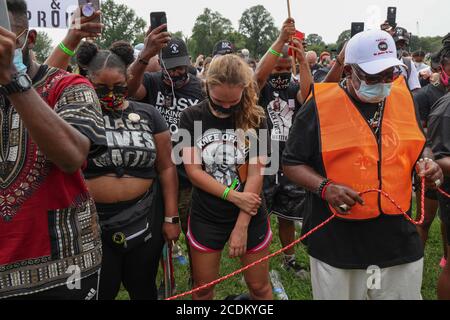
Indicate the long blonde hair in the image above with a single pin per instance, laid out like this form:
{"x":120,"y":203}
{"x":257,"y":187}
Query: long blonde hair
{"x":232,"y":70}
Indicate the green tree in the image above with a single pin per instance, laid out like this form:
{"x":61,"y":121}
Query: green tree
{"x":258,"y":26}
{"x":316,"y":43}
{"x":210,"y":27}
{"x":427,"y":44}
{"x":343,"y":37}
{"x":43,"y":47}
{"x":121,"y":23}
{"x":314,"y":40}
{"x":239,"y":40}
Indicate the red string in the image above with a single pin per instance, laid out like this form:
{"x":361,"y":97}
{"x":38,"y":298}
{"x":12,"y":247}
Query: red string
{"x":323,"y":224}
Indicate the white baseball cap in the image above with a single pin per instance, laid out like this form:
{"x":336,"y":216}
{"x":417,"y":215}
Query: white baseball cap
{"x":373,"y":51}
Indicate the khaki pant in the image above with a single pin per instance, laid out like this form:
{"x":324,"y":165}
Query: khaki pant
{"x":402,"y":282}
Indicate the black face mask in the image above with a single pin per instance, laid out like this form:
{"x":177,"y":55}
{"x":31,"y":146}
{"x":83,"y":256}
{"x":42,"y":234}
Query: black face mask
{"x":228,"y":111}
{"x":280,"y":81}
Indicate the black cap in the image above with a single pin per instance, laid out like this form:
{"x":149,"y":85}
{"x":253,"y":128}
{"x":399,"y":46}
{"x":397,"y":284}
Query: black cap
{"x":401,"y":34}
{"x":223,"y":47}
{"x":175,"y":54}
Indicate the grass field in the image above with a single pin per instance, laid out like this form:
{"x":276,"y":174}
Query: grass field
{"x":301,"y":290}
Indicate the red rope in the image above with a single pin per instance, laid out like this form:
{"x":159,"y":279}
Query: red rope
{"x":323,"y":224}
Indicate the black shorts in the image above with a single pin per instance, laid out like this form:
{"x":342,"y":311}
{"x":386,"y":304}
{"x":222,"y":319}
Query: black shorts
{"x":284,"y":198}
{"x":208,"y":237}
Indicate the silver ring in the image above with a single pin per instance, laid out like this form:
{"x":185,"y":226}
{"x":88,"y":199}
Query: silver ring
{"x":438,"y":183}
{"x":344,"y":207}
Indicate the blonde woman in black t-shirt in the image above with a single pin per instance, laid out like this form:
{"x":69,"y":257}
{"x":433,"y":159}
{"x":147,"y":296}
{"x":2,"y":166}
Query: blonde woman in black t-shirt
{"x":226,"y":173}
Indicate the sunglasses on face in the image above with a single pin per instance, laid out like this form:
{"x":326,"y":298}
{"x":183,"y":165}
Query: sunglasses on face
{"x":103,"y":90}
{"x":387,"y":76}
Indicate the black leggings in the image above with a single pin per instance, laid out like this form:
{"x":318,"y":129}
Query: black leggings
{"x":136,"y":269}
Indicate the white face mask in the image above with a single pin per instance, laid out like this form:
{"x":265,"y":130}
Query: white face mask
{"x":18,"y":61}
{"x":18,"y":57}
{"x":374,"y":93}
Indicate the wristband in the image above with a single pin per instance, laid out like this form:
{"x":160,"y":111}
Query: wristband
{"x":228,"y":189}
{"x":225,"y":193}
{"x":322,"y":195}
{"x":320,"y":189}
{"x":142,"y":61}
{"x":66,"y":50}
{"x":275,"y":53}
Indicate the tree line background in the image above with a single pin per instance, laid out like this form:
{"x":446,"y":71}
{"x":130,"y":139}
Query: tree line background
{"x":256,"y":32}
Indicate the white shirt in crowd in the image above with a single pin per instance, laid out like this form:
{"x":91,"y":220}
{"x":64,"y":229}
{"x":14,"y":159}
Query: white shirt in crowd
{"x":413,"y":81}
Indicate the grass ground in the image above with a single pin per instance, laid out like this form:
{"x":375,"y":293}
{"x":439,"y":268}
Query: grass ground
{"x":301,"y":290}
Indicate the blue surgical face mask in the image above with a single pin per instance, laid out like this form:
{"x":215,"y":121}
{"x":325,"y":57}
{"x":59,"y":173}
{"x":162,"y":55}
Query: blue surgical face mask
{"x":374,"y":93}
{"x":18,"y":55}
{"x":18,"y":61}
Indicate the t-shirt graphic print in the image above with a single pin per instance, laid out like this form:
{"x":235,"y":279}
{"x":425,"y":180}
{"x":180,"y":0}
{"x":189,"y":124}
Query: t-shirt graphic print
{"x":280,"y":113}
{"x":223,"y":157}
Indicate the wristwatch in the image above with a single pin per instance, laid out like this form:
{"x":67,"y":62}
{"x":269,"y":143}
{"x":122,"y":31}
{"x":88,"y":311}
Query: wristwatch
{"x":172,"y":220}
{"x":21,"y":82}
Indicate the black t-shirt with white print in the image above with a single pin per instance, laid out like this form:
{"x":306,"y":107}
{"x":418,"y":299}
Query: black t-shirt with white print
{"x":160,"y":95}
{"x":131,"y":145}
{"x":280,"y":107}
{"x":223,"y":156}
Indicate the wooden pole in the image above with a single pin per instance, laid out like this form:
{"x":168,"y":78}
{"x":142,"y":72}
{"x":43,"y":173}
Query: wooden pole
{"x":294,"y":63}
{"x":289,"y":8}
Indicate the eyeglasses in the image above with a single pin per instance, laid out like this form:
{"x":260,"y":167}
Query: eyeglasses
{"x":387,"y":76}
{"x":21,"y":39}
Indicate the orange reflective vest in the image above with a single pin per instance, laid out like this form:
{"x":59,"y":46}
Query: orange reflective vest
{"x":352,"y":156}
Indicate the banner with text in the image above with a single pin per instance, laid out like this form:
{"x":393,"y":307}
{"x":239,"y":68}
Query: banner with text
{"x":50,"y":13}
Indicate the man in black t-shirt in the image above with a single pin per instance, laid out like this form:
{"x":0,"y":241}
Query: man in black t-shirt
{"x":281,"y":98}
{"x":369,"y":250}
{"x":171,"y":91}
{"x":439,"y":137}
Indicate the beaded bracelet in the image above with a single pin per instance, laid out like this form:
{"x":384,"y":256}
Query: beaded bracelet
{"x":320,"y":190}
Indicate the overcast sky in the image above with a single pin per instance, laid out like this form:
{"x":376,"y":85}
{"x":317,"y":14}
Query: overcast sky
{"x":327,"y":17}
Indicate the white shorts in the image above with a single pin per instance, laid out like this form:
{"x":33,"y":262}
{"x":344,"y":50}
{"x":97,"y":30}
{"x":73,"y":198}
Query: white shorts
{"x":402,"y":282}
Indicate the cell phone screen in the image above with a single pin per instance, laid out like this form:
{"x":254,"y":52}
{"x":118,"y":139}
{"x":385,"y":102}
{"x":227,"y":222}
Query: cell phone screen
{"x":4,"y":17}
{"x":357,"y":27}
{"x":157,"y":19}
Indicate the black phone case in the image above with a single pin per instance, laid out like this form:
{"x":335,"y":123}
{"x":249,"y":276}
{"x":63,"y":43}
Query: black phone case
{"x":392,"y":16}
{"x":157,"y":19}
{"x":357,"y":27}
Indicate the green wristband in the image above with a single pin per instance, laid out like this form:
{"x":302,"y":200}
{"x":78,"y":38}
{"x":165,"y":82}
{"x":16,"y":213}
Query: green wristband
{"x":235,"y":183}
{"x":66,"y":50}
{"x":225,"y":193}
{"x":275,"y":53}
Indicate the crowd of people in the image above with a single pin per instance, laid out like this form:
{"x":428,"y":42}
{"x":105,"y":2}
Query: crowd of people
{"x":102,"y":166}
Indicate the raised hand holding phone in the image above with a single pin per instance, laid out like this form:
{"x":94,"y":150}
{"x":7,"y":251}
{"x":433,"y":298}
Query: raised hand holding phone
{"x":7,"y":45}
